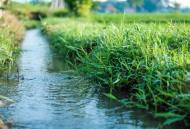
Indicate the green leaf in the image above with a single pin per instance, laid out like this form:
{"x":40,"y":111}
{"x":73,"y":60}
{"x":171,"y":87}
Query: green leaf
{"x":125,"y":102}
{"x":109,"y":95}
{"x":173,"y":120}
{"x":6,"y":99}
{"x":168,"y":115}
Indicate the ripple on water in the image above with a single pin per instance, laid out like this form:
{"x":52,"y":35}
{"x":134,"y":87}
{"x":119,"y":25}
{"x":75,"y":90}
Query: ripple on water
{"x":48,"y":98}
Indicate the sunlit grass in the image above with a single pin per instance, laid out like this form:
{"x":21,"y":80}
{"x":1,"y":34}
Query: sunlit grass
{"x":148,"y":61}
{"x":11,"y":32}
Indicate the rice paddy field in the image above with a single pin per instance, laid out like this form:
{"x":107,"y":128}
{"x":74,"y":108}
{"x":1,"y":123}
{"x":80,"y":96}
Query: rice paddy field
{"x":142,"y":18}
{"x":146,"y":59}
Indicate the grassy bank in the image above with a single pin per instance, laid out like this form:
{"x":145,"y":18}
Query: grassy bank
{"x":11,"y":33}
{"x":30,"y":15}
{"x":149,"y":62}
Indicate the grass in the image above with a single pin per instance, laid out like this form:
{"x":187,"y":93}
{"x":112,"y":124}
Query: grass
{"x":31,"y":14}
{"x":30,"y":24}
{"x":27,"y":11}
{"x":142,"y":18}
{"x":11,"y":33}
{"x":149,"y":62}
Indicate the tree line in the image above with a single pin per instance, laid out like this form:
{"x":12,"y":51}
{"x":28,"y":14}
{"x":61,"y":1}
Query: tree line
{"x":80,"y":7}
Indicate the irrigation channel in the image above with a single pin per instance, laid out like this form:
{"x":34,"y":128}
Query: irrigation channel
{"x":48,"y":98}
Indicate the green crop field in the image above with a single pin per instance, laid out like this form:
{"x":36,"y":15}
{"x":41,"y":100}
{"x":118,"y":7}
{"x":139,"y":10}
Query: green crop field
{"x":143,"y":18}
{"x":149,"y":61}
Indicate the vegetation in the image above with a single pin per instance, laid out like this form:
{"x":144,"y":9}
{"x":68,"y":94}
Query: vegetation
{"x":29,"y":11}
{"x":11,"y":33}
{"x":79,"y":7}
{"x":29,"y":14}
{"x":150,"y":62}
{"x":142,"y":18}
{"x":146,"y":56}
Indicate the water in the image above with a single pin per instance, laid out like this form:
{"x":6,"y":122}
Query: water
{"x":48,"y":98}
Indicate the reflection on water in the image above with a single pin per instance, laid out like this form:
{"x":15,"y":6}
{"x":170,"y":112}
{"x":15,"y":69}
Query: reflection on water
{"x":47,"y":98}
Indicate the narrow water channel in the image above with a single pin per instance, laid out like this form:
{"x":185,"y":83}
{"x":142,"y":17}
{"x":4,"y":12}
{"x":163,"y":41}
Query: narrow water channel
{"x":48,"y":98}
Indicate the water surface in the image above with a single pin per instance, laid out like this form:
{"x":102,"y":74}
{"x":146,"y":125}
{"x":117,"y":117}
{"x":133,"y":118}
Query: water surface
{"x":49,"y":98}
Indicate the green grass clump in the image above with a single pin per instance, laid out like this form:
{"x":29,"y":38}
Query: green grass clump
{"x":6,"y":47}
{"x":30,"y":24}
{"x":59,"y":12}
{"x":81,"y":37}
{"x":11,"y":32}
{"x":150,"y":62}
